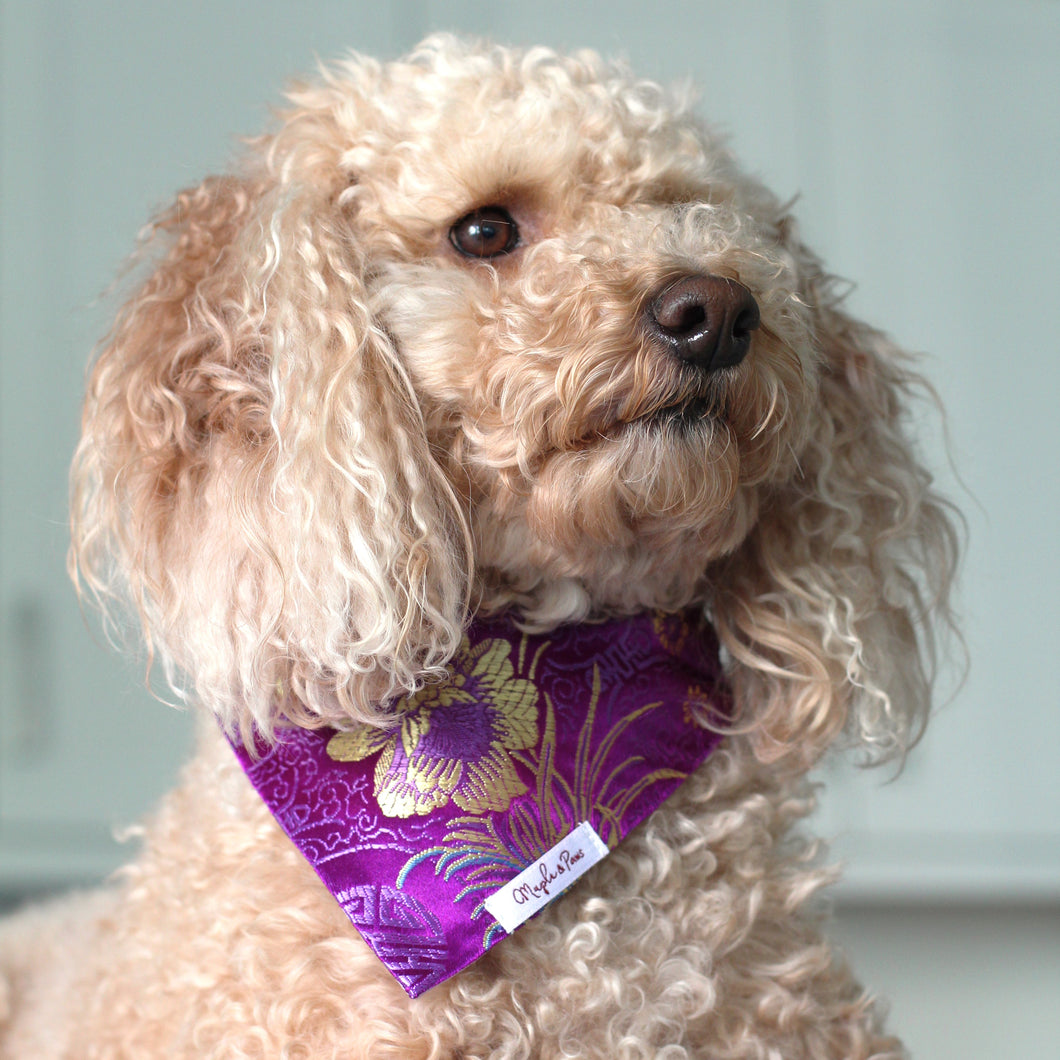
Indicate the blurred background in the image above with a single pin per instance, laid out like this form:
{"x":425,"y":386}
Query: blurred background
{"x":924,"y":142}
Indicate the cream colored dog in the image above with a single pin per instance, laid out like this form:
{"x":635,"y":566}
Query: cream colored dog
{"x":487,"y":330}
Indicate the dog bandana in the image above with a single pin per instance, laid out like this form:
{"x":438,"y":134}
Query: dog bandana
{"x":497,"y":789}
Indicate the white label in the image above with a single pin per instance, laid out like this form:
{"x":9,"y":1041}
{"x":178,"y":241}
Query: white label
{"x":552,"y":873}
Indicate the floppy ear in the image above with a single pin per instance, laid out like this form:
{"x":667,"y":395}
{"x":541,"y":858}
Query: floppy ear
{"x":254,"y":474}
{"x":830,"y":608}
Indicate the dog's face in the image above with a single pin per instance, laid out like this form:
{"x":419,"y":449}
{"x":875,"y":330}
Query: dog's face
{"x":495,"y":329}
{"x":602,"y":323}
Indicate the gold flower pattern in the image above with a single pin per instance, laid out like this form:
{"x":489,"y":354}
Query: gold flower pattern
{"x":453,"y":740}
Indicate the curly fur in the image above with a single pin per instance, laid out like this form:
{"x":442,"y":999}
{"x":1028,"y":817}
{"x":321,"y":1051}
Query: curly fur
{"x":317,"y":438}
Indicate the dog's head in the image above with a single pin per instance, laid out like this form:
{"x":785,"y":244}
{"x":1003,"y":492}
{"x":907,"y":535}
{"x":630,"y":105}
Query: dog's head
{"x":487,"y":329}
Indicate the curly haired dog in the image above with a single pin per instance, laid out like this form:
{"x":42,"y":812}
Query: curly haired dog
{"x":488,"y":331}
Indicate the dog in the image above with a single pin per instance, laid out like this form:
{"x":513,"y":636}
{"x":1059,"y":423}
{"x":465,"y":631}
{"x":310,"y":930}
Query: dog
{"x":489,"y":335}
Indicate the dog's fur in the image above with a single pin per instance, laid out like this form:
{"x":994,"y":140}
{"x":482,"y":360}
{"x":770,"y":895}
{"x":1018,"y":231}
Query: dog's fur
{"x":319,"y":437}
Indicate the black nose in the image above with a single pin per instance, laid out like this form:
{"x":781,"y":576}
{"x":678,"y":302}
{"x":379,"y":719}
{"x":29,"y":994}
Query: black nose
{"x":705,"y":320}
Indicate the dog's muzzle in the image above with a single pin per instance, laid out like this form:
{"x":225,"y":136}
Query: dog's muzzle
{"x":706,"y":321}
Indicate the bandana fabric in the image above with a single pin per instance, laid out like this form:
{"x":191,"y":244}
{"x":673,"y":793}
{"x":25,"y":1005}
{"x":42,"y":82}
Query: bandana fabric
{"x":495,"y":790}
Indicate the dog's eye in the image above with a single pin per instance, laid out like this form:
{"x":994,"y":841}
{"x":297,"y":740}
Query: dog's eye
{"x":485,"y":233}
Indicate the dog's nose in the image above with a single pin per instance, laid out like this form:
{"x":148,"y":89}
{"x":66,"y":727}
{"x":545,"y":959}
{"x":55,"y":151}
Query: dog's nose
{"x":705,"y":320}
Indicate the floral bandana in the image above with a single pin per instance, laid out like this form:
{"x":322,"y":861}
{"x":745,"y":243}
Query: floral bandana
{"x":494,"y":791}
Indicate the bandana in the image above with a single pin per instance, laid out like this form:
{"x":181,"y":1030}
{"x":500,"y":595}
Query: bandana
{"x":495,"y":790}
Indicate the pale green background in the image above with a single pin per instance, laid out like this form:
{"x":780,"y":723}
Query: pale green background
{"x":925,"y":142}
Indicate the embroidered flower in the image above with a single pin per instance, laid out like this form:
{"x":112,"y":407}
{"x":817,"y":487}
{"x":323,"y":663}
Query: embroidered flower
{"x":453,"y":740}
{"x":672,"y":631}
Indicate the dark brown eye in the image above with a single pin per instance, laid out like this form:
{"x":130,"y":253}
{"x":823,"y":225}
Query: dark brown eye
{"x":485,"y":233}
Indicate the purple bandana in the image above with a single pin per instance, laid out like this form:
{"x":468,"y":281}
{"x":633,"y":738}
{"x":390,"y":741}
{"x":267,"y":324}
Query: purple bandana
{"x":493,"y":792}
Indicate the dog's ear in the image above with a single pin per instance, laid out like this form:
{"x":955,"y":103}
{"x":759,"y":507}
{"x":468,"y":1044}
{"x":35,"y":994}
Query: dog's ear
{"x":830,"y":609}
{"x":254,"y":474}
